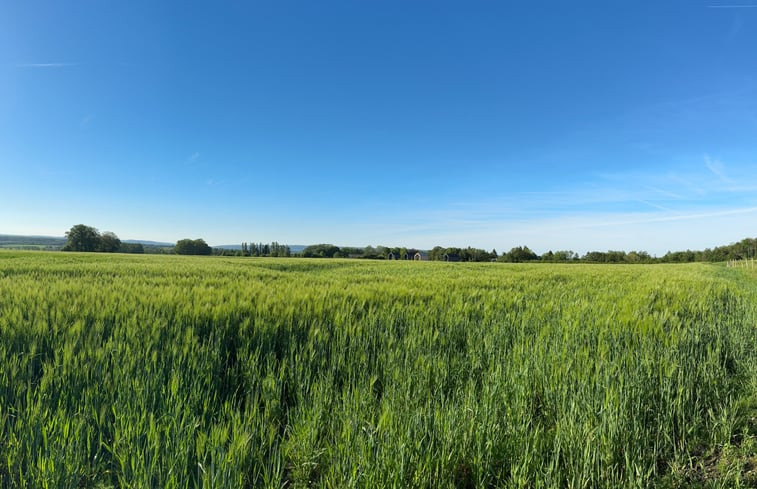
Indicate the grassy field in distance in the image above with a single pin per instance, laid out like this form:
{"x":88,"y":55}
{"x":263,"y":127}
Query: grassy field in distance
{"x":181,"y":372}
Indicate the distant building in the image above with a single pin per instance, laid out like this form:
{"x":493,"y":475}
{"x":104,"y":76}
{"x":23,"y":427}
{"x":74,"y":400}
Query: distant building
{"x":414,"y":255}
{"x":451,"y":257}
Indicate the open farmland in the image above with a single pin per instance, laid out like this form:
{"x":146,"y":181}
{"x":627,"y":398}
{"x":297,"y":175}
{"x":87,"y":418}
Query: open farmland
{"x":165,"y":371}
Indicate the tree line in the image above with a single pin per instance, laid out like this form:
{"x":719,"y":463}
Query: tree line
{"x":746,"y":248}
{"x":87,"y":238}
{"x":265,"y":249}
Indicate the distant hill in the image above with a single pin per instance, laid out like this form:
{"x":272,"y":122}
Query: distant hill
{"x":31,"y":242}
{"x":148,"y":243}
{"x":19,"y":242}
{"x":228,"y":247}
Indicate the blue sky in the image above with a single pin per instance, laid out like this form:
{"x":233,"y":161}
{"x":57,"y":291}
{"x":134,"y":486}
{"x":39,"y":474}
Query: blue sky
{"x":557,"y":125}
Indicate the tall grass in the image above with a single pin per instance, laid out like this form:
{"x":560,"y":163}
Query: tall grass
{"x":177,"y":372}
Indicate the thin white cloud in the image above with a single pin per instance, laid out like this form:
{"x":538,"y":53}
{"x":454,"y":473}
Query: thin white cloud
{"x":46,"y":65}
{"x":689,"y":204}
{"x":655,"y":206}
{"x":688,"y":185}
{"x":655,"y":232}
{"x":665,"y":193}
{"x":679,"y":217}
{"x":741,"y":189}
{"x":718,"y":169}
{"x":692,"y":206}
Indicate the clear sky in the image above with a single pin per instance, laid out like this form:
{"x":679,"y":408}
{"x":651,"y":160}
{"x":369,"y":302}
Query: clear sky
{"x":556,"y":125}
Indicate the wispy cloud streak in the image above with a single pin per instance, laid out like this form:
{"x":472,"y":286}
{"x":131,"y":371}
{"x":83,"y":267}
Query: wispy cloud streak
{"x":697,"y":204}
{"x":655,"y":206}
{"x":46,"y":65}
{"x":686,"y":217}
{"x":717,"y":168}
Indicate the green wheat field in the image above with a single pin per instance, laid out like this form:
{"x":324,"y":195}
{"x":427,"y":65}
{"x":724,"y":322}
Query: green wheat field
{"x":126,"y":371}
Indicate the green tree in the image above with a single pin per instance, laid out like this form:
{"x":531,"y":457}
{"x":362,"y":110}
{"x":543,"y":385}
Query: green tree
{"x":131,"y":248}
{"x":82,"y":238}
{"x":564,"y":255}
{"x":436,"y":254}
{"x":109,"y":242}
{"x":519,"y":254}
{"x":320,"y":251}
{"x":184,"y":247}
{"x":192,"y":247}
